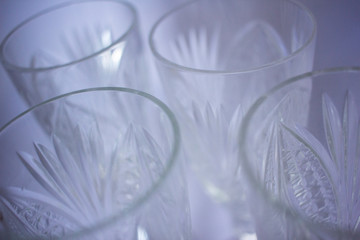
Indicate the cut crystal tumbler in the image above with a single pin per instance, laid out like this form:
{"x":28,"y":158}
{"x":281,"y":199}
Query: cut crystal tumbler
{"x":300,"y":150}
{"x":214,"y":58}
{"x":72,"y":46}
{"x":105,"y":168}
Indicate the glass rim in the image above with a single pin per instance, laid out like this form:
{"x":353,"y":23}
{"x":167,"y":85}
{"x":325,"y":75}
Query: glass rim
{"x":172,"y":157}
{"x":173,"y":64}
{"x":244,"y":159}
{"x":41,"y":13}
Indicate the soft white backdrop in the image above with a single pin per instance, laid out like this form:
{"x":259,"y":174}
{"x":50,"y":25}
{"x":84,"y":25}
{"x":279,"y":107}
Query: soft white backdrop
{"x":338,"y":44}
{"x":338,"y":41}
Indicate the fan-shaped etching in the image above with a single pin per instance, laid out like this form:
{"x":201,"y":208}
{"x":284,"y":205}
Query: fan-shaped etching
{"x":83,"y":182}
{"x":317,"y":182}
{"x":216,"y":130}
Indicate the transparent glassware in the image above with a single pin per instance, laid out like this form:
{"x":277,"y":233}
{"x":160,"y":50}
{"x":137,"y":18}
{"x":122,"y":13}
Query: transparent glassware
{"x":107,"y":167}
{"x":300,"y":151}
{"x":73,"y":46}
{"x":214,"y":58}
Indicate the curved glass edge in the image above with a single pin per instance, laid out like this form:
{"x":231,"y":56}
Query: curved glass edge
{"x":14,"y":67}
{"x":244,"y":158}
{"x":189,"y":69}
{"x":171,"y":161}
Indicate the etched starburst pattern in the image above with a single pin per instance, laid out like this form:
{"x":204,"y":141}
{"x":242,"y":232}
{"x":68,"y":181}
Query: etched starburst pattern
{"x":319,"y":182}
{"x":81,"y":65}
{"x":254,"y":44}
{"x":83,"y":183}
{"x":217,"y":130}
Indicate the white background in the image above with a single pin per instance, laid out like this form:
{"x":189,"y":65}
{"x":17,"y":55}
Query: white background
{"x":338,"y":44}
{"x":338,"y":39}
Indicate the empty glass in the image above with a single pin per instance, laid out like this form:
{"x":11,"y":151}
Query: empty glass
{"x":214,"y":58}
{"x":300,"y":150}
{"x":74,"y":45}
{"x":105,"y":168}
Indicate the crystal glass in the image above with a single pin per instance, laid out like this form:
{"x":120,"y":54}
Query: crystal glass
{"x":105,"y":168}
{"x":74,"y":45}
{"x":300,"y":150}
{"x":214,"y":58}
